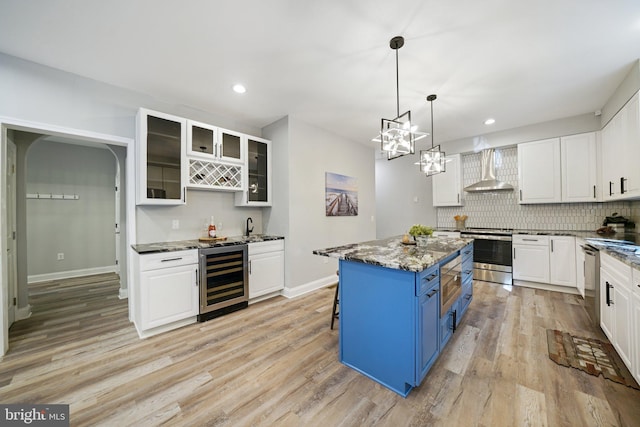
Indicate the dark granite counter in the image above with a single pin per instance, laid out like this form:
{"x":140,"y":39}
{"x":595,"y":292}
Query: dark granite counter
{"x":181,"y":245}
{"x":392,"y":253}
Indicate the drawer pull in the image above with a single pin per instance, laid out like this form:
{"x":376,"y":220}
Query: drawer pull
{"x":530,"y":240}
{"x":430,"y":277}
{"x":432,"y":293}
{"x":171,"y":259}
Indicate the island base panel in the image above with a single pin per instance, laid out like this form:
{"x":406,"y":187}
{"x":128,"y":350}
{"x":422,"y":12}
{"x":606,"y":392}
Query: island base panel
{"x":377,"y":323}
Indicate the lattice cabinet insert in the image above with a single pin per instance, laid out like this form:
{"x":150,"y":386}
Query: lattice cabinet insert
{"x":206,"y":174}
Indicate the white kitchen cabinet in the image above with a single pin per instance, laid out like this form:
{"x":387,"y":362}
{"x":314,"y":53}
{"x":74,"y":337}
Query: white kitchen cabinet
{"x":266,"y":268}
{"x":580,"y":265}
{"x":620,"y":151}
{"x":167,"y":291}
{"x":214,"y":143}
{"x":162,"y":166}
{"x":531,"y":258}
{"x":616,"y":306}
{"x":579,"y":168}
{"x":257,"y":174}
{"x":539,"y":172}
{"x":562,"y":260}
{"x":447,"y":186}
{"x":215,"y":157}
{"x":635,"y":331}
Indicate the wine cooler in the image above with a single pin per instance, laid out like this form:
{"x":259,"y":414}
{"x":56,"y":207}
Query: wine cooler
{"x":224,"y":281}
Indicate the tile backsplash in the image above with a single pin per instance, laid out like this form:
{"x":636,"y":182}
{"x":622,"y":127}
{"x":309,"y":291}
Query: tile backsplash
{"x":501,"y":209}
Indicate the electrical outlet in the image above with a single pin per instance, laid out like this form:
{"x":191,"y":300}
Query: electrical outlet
{"x":175,"y":224}
{"x":60,"y":256}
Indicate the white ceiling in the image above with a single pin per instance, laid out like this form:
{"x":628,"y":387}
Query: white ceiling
{"x":329,"y":63}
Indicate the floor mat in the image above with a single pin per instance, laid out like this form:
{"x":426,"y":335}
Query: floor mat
{"x":590,"y":355}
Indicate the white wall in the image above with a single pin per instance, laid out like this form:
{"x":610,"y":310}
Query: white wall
{"x":155,"y":222}
{"x":313,"y":152}
{"x":82,"y":229}
{"x":398,"y":183}
{"x":627,"y":88}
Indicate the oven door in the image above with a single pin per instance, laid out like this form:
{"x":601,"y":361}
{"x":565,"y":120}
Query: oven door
{"x":492,"y":251}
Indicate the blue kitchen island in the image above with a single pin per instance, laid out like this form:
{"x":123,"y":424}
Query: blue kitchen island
{"x":400,"y":304}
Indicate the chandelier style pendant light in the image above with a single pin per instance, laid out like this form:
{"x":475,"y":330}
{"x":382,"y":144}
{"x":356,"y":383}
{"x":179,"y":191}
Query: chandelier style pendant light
{"x":432,"y":161}
{"x":397,"y":136}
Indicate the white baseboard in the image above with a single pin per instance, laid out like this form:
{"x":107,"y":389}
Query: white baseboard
{"x":123,"y":293}
{"x":23,"y":312}
{"x":547,"y":287}
{"x":310,"y":286}
{"x":35,"y":278}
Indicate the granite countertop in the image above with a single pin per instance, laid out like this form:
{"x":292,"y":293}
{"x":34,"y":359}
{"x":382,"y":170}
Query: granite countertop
{"x":181,"y":245}
{"x":392,"y":253}
{"x":626,"y":253}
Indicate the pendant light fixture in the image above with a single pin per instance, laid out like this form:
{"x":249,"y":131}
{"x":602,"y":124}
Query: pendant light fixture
{"x":432,"y":161}
{"x":397,"y":136}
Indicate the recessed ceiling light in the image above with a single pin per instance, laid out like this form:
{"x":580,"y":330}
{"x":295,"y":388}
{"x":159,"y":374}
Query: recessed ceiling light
{"x":489,"y":121}
{"x":238,"y":88}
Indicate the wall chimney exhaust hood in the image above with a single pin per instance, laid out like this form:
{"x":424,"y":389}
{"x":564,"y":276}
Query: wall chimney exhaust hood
{"x":488,"y":181}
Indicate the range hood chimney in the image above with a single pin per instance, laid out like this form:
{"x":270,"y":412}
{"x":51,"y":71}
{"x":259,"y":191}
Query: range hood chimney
{"x":488,"y":181}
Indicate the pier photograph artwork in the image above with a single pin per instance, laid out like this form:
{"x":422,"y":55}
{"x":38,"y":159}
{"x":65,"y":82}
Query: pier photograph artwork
{"x":341,"y":195}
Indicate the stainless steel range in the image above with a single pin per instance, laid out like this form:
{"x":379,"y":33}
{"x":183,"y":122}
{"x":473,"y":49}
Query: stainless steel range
{"x":492,"y":254}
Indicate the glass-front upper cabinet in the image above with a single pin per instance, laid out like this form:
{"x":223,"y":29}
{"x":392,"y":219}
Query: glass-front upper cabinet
{"x":160,"y":151}
{"x":257,"y":174}
{"x":230,"y":147}
{"x":213,"y":143}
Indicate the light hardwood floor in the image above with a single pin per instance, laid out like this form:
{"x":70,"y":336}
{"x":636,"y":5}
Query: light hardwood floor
{"x":276,"y":364}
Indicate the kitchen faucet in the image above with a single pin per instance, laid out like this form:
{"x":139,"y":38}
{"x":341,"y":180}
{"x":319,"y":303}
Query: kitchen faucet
{"x":249,"y":230}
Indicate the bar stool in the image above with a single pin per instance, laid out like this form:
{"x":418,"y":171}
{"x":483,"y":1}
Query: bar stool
{"x":335,"y":313}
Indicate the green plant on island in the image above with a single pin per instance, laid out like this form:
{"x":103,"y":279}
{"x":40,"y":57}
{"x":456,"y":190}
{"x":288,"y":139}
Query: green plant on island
{"x":420,"y":230}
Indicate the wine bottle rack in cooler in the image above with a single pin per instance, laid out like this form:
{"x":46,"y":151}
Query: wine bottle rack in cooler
{"x":223,"y":279}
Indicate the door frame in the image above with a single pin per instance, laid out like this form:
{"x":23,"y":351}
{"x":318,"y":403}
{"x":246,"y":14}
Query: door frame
{"x":10,"y":213}
{"x":7,"y":123}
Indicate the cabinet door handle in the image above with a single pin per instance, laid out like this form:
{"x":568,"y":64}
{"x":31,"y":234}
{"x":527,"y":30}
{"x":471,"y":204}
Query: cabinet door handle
{"x":552,"y":246}
{"x":609,"y":302}
{"x":249,"y":266}
{"x":432,"y":293}
{"x":610,"y":188}
{"x":514,"y":253}
{"x":622,"y":180}
{"x":520,"y":195}
{"x":594,"y":191}
{"x":197,"y":278}
{"x":171,"y":259}
{"x":458,"y":197}
{"x":430,"y":277}
{"x":455,"y":318}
